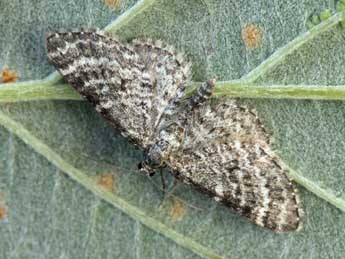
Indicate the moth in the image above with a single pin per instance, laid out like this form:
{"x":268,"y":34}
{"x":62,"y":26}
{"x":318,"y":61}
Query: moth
{"x":219,"y":147}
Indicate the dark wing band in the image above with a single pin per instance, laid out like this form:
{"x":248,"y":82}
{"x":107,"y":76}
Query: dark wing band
{"x":226,"y":154}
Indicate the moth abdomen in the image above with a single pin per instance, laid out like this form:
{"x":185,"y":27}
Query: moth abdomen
{"x":202,"y":93}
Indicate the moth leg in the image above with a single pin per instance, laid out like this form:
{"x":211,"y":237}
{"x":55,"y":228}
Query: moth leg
{"x":166,"y":194}
{"x":174,"y":186}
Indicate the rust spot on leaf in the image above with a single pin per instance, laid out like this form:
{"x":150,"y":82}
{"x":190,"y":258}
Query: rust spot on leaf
{"x":107,"y":182}
{"x":8,"y":76}
{"x":113,"y":4}
{"x":177,"y":211}
{"x":3,"y":208}
{"x":3,"y":212}
{"x":251,"y":36}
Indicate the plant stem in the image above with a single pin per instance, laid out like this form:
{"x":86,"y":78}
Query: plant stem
{"x":46,"y":89}
{"x":278,"y":56}
{"x":129,"y":15}
{"x":314,"y":188}
{"x":90,"y":184}
{"x":315,"y":92}
{"x":36,"y":90}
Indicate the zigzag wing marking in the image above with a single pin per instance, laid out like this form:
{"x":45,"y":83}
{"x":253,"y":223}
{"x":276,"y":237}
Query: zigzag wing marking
{"x":130,"y":85}
{"x":169,"y":73}
{"x":233,"y":163}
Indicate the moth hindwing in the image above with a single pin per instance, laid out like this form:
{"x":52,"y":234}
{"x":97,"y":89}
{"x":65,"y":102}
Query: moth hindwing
{"x":220,"y":147}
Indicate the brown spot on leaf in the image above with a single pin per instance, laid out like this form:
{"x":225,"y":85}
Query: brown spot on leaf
{"x":9,"y":76}
{"x":107,"y":182}
{"x":3,"y":212}
{"x":251,"y":36}
{"x":113,"y":4}
{"x":177,"y":211}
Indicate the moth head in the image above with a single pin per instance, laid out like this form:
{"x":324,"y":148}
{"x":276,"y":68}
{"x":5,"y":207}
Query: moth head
{"x":152,"y":161}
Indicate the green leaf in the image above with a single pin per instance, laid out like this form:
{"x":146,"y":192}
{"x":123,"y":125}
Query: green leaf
{"x":54,"y":153}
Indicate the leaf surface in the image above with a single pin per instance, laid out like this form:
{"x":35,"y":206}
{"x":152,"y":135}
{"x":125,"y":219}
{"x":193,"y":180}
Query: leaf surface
{"x":49,"y":215}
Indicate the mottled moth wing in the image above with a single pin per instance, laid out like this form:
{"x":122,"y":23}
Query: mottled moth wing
{"x":220,"y":148}
{"x":169,"y":73}
{"x":123,"y":82}
{"x":225,"y":153}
